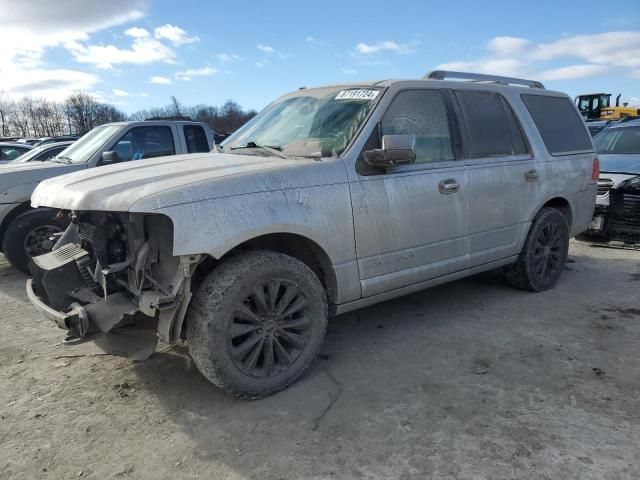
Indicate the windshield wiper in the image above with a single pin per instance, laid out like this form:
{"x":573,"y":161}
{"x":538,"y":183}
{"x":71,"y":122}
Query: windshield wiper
{"x":273,"y":149}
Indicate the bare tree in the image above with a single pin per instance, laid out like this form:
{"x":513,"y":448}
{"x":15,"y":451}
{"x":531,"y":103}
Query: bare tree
{"x":5,"y":111}
{"x":225,"y":119}
{"x":81,"y":112}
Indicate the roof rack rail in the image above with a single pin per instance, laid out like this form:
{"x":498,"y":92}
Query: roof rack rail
{"x":480,"y":77}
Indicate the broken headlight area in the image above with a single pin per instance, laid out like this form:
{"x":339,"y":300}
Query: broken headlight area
{"x":620,"y":219}
{"x":112,"y":277}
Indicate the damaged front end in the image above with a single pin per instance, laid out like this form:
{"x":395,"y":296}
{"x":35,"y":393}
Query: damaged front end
{"x":617,"y":211}
{"x":112,"y":278}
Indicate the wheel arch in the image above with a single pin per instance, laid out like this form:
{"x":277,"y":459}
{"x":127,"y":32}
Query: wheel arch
{"x":11,"y":216}
{"x":298,"y":246}
{"x":559,"y":203}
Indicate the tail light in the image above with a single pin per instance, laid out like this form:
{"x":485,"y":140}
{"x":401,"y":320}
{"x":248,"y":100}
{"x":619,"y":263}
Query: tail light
{"x":595,"y":172}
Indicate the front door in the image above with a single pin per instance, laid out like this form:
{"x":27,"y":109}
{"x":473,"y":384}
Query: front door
{"x":411,"y":221}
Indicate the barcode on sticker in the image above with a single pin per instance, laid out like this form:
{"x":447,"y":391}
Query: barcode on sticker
{"x":357,"y":94}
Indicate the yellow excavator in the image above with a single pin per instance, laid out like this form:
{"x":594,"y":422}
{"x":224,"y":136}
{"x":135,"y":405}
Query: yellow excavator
{"x":597,"y":106}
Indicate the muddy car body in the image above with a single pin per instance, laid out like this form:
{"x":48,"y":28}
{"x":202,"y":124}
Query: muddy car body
{"x":389,"y":188}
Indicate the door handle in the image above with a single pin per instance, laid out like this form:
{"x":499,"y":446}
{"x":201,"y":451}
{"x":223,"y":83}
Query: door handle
{"x":448,"y":186}
{"x":531,"y":176}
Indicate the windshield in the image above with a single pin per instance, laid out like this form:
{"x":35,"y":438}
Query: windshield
{"x":310,"y":123}
{"x":618,"y":140}
{"x":82,"y":150}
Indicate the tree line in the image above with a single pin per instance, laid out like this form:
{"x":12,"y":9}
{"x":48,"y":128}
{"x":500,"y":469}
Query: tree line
{"x":81,"y":112}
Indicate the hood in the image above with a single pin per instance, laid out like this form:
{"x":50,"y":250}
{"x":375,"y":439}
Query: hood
{"x":118,"y":187}
{"x":620,"y":163}
{"x":13,"y":175}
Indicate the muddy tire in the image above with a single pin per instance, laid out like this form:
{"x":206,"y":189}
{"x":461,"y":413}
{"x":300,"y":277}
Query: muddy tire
{"x":544,"y":254}
{"x":256,"y":323}
{"x":28,"y":235}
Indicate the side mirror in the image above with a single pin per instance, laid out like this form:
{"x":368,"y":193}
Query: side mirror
{"x":396,"y":150}
{"x":109,"y":157}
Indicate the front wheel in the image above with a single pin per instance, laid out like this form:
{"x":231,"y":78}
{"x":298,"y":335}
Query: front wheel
{"x":29,"y":236}
{"x":544,"y":254}
{"x":256,"y":323}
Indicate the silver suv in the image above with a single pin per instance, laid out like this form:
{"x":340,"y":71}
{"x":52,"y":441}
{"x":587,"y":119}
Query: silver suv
{"x":329,"y":200}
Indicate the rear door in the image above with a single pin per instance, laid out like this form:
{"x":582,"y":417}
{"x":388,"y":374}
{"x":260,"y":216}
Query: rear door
{"x":411,"y":221}
{"x":502,"y":177}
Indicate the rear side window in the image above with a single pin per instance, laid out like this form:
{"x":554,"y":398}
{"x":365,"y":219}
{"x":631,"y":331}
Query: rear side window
{"x":492,"y":128}
{"x":196,"y":139}
{"x":559,"y":124}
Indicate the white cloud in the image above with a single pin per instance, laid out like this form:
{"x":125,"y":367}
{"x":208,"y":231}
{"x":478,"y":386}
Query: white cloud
{"x":120,"y":93}
{"x":144,"y":49}
{"x":385,"y":46}
{"x":29,"y":28}
{"x":266,"y":48}
{"x":571,"y":72}
{"x":186,"y":75}
{"x":269,"y":50}
{"x":228,"y":57}
{"x":508,"y":45}
{"x":54,"y":84}
{"x":158,"y":80}
{"x":600,"y":54}
{"x":137,"y":32}
{"x":315,"y":41}
{"x":176,"y":35}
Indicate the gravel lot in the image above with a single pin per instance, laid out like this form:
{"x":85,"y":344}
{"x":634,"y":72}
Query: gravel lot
{"x":471,"y":380}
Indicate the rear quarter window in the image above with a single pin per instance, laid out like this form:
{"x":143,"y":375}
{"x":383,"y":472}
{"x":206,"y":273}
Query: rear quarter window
{"x":559,"y":124}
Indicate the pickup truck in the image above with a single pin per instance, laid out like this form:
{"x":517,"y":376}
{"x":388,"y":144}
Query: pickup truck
{"x":26,"y":232}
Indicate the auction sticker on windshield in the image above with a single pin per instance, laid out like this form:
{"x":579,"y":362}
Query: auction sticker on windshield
{"x":357,"y":94}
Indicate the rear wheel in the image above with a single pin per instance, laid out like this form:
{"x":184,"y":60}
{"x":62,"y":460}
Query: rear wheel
{"x":544,"y":254}
{"x":256,"y":323}
{"x":29,"y":236}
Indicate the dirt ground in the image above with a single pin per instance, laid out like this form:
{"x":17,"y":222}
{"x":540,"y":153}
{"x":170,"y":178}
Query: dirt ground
{"x":471,"y":380}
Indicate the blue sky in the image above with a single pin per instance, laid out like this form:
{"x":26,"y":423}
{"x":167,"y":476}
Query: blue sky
{"x":137,"y":53}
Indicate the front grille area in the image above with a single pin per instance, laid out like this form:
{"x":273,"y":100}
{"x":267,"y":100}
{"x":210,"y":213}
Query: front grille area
{"x":104,"y":236}
{"x":624,"y":212}
{"x":604,"y":185}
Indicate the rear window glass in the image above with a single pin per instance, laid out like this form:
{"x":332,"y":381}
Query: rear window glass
{"x":561,"y":127}
{"x":492,"y":130}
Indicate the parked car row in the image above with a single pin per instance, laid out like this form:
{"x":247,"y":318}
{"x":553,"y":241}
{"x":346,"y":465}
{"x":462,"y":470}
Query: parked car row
{"x":10,"y":151}
{"x":329,"y":200}
{"x":41,"y":140}
{"x":26,"y":232}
